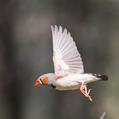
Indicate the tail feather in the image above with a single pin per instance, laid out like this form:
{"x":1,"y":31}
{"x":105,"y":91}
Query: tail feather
{"x":102,"y":77}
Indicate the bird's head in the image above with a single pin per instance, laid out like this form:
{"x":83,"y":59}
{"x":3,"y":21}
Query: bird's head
{"x":45,"y":79}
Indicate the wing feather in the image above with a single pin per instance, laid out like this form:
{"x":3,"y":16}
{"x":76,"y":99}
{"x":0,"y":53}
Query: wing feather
{"x":65,"y":54}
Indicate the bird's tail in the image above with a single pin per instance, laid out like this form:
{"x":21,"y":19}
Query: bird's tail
{"x":101,"y":77}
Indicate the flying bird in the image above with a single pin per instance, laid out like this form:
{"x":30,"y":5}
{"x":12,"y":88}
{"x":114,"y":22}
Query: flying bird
{"x":68,"y":66}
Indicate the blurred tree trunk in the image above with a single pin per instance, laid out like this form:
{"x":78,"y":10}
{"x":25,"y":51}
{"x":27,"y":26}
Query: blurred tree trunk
{"x":8,"y":82}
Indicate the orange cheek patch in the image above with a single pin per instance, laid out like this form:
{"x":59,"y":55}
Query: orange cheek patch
{"x":36,"y":83}
{"x":45,"y":81}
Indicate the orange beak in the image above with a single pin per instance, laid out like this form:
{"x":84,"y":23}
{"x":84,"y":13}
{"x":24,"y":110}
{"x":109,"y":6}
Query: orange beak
{"x":36,"y":83}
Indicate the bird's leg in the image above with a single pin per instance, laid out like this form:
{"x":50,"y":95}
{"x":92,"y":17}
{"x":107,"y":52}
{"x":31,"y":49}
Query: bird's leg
{"x":85,"y":92}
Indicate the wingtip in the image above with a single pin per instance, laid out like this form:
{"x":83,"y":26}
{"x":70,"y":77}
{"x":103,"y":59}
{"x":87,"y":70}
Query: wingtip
{"x":56,"y":27}
{"x":51,"y":27}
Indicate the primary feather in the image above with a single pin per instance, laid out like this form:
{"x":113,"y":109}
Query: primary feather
{"x":65,"y":54}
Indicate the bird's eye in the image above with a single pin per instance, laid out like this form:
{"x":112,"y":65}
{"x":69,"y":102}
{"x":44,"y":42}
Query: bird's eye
{"x":44,"y":80}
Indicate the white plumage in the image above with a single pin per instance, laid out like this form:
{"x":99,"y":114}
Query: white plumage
{"x":69,"y":71}
{"x":65,"y":54}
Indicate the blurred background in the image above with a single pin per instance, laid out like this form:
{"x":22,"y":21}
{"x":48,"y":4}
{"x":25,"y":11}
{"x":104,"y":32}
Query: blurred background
{"x":26,"y":53}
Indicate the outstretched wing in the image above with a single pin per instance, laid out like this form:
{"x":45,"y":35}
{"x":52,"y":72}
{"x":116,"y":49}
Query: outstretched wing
{"x":65,"y":54}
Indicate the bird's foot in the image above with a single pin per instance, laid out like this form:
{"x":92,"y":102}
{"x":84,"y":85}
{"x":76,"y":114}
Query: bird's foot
{"x":85,"y":92}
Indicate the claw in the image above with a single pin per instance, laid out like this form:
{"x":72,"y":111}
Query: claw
{"x":90,"y":98}
{"x":85,"y":92}
{"x":89,"y":91}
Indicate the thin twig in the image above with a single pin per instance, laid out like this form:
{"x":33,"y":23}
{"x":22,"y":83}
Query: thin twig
{"x":103,"y":115}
